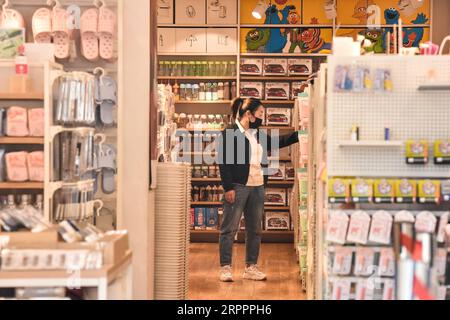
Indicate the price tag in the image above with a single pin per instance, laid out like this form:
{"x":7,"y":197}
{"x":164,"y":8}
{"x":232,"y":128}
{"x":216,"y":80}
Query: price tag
{"x":426,"y":222}
{"x":337,"y":227}
{"x":381,"y":227}
{"x":358,"y":230}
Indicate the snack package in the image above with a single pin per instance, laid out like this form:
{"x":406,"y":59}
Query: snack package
{"x":386,"y":264}
{"x":445,"y":190}
{"x":342,"y":262}
{"x":35,"y":163}
{"x":298,"y":89}
{"x":278,"y":116}
{"x":342,"y":79}
{"x":277,"y":221}
{"x":428,"y":191}
{"x":289,"y":171}
{"x":277,"y":90}
{"x":362,"y":190}
{"x":389,"y":289}
{"x":192,"y":212}
{"x":338,"y":190}
{"x":16,"y":166}
{"x":277,"y":172}
{"x":405,"y":191}
{"x":442,"y":152}
{"x":300,"y":67}
{"x":425,"y":222}
{"x":364,"y":290}
{"x":275,"y":197}
{"x":36,"y":122}
{"x":364,"y":261}
{"x":200,"y":219}
{"x":252,"y":67}
{"x":358,"y":229}
{"x":381,"y":227}
{"x":212,"y":218}
{"x":17,"y":122}
{"x":275,"y":67}
{"x":384,"y":191}
{"x":341,"y":289}
{"x":417,"y":152}
{"x":337,"y":227}
{"x":252,"y":90}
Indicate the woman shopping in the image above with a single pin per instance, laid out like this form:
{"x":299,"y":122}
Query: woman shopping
{"x":243,"y":160}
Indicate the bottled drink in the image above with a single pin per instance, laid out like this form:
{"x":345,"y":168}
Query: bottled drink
{"x":226,"y":91}
{"x":11,"y":202}
{"x":176,"y":91}
{"x":233,"y":70}
{"x":208,"y":94}
{"x":185,"y":69}
{"x":202,"y":92}
{"x":225,"y":69}
{"x":195,"y":92}
{"x":220,"y":91}
{"x":189,"y":92}
{"x":182,"y":92}
{"x":233,"y":90}
{"x":211,"y":68}
{"x":215,"y":96}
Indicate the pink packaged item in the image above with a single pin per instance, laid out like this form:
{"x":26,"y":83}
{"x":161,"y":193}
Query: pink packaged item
{"x":16,"y":166}
{"x":17,"y":122}
{"x":36,"y":122}
{"x":36,"y":166}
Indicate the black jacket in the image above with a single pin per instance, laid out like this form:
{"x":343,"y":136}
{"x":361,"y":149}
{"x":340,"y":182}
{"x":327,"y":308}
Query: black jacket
{"x":235,"y":168}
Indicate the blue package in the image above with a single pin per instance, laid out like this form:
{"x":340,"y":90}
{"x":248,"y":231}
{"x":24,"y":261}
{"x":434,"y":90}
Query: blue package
{"x":212,"y":217}
{"x":358,"y":79}
{"x":200,"y":217}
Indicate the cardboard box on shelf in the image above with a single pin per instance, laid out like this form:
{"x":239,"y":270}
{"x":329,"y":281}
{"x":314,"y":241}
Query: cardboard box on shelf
{"x":252,"y":67}
{"x":23,"y":238}
{"x":278,"y":172}
{"x":166,"y":40}
{"x":191,"y":40}
{"x":212,"y":218}
{"x":222,"y":12}
{"x":275,"y":197}
{"x":190,"y":12}
{"x":278,"y":116}
{"x":165,"y":11}
{"x":277,"y":221}
{"x":275,"y":67}
{"x":221,"y":40}
{"x":252,"y":90}
{"x":277,"y":90}
{"x":289,"y":171}
{"x":299,"y":67}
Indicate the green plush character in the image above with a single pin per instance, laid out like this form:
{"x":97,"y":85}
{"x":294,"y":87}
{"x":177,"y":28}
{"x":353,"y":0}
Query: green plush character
{"x":256,"y":40}
{"x":376,"y":39}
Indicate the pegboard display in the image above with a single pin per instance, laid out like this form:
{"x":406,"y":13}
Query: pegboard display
{"x":409,"y":114}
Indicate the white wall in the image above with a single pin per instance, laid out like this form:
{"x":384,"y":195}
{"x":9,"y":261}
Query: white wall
{"x":133,"y":198}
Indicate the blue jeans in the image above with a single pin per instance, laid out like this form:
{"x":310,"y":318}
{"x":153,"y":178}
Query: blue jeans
{"x":250,"y":201}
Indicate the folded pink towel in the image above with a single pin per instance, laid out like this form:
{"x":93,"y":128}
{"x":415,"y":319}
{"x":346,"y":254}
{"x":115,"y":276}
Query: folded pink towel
{"x":36,"y":122}
{"x":16,"y":166}
{"x":36,"y":166}
{"x":17,"y":122}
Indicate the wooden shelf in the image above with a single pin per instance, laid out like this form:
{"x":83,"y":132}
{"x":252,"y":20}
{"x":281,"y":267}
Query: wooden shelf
{"x":287,"y":26}
{"x":281,"y":182}
{"x":21,"y":185}
{"x":204,"y":102}
{"x":205,"y":180}
{"x":272,"y":78}
{"x":371,"y":143}
{"x":197,"y":78}
{"x":21,"y":140}
{"x":246,"y":54}
{"x":202,"y":130}
{"x":290,"y":102}
{"x":200,"y":54}
{"x":275,"y":208}
{"x":22,"y":96}
{"x":206,"y":203}
{"x":212,"y":236}
{"x":278,"y":128}
{"x":280,"y":159}
{"x":197,"y":25}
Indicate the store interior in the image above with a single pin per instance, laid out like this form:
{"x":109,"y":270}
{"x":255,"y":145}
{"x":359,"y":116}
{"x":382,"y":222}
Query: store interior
{"x":110,"y":184}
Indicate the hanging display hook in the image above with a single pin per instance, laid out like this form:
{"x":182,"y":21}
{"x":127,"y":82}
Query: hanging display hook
{"x":6,"y":5}
{"x":100,"y":3}
{"x":101,"y":73}
{"x":98,"y":205}
{"x":54,"y":3}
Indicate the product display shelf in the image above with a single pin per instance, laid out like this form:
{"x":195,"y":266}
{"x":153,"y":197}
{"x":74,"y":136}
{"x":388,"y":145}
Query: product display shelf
{"x":109,"y":282}
{"x":205,"y":180}
{"x":273,"y":78}
{"x":371,"y":143}
{"x":22,"y":96}
{"x":21,"y":140}
{"x":12,"y":186}
{"x":179,"y":25}
{"x":205,"y":203}
{"x":281,"y":102}
{"x":281,"y":128}
{"x":204,"y":102}
{"x":196,"y":78}
{"x":287,"y":26}
{"x":212,"y":236}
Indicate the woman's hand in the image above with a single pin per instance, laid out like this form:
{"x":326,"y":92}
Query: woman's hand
{"x":230,"y":196}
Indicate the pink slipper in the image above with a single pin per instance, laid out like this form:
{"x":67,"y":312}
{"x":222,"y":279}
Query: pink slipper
{"x":89,"y":40}
{"x":42,"y":26}
{"x":11,"y":18}
{"x":106,"y":32}
{"x":61,"y":37}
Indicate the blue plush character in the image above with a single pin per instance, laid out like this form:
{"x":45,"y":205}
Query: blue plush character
{"x":411,"y":36}
{"x":277,"y":40}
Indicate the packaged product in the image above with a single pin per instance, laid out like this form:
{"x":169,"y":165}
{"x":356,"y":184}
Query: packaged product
{"x":338,"y":190}
{"x":200,"y":217}
{"x":428,"y":191}
{"x":384,"y":190}
{"x":405,"y":191}
{"x":252,"y":67}
{"x":36,"y":122}
{"x":35,"y":163}
{"x":442,"y":152}
{"x":277,"y":172}
{"x":386,"y":265}
{"x":381,"y":227}
{"x":337,"y":227}
{"x":364,"y":289}
{"x":362,"y":190}
{"x":275,"y":67}
{"x":342,"y":262}
{"x":277,"y":90}
{"x":425,"y":222}
{"x":212,"y":218}
{"x":275,"y":197}
{"x":341,"y":289}
{"x":16,"y":166}
{"x":443,"y":221}
{"x":192,"y":212}
{"x":300,"y":67}
{"x":17,"y":122}
{"x":278,"y":116}
{"x":358,"y":229}
{"x":297,"y":89}
{"x":2,"y":165}
{"x":252,"y":90}
{"x":277,"y":221}
{"x":364,"y":261}
{"x":289,"y":171}
{"x":417,"y":152}
{"x":445,"y":190}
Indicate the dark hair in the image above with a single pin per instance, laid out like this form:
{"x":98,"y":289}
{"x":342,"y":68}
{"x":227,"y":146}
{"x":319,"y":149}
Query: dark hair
{"x":240,"y":106}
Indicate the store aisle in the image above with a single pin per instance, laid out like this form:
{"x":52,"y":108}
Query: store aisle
{"x":277,"y":260}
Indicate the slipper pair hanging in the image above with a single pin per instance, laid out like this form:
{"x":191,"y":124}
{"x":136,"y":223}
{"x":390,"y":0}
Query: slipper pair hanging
{"x":106,"y":99}
{"x":10,"y":18}
{"x":97,"y":33}
{"x":51,"y":26}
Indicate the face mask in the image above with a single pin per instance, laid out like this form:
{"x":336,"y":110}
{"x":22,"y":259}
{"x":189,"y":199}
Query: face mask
{"x":258,"y":123}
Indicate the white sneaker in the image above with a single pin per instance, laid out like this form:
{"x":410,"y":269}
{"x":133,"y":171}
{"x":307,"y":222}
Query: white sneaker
{"x":226,"y":274}
{"x":253,"y":273}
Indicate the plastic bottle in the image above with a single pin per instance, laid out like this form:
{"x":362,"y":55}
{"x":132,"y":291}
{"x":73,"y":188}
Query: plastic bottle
{"x":233,"y":90}
{"x":189,"y":92}
{"x":220,"y":91}
{"x":233,"y":70}
{"x":208,"y":94}
{"x":226,"y":91}
{"x":215,"y":95}
{"x":182,"y":92}
{"x":195,"y":92}
{"x":202,"y":92}
{"x":176,"y":91}
{"x":21,"y":62}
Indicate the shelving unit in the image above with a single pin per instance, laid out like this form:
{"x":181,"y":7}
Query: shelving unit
{"x":212,"y":236}
{"x":22,"y":96}
{"x":21,"y":141}
{"x":14,"y":186}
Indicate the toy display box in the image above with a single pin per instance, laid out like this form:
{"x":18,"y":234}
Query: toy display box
{"x":299,"y":67}
{"x":442,"y":152}
{"x":298,"y":88}
{"x":278,"y":116}
{"x":384,"y":191}
{"x":252,"y":67}
{"x":362,"y":190}
{"x":276,"y":197}
{"x":289,"y":171}
{"x":445,"y":190}
{"x":275,"y":67}
{"x":190,"y":12}
{"x":405,"y":191}
{"x":222,"y":12}
{"x":221,"y":40}
{"x":200,"y":217}
{"x":339,"y":190}
{"x":428,"y":191}
{"x":212,"y":218}
{"x":277,"y":90}
{"x":252,"y":90}
{"x":277,"y":173}
{"x":277,"y":221}
{"x":417,"y":152}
